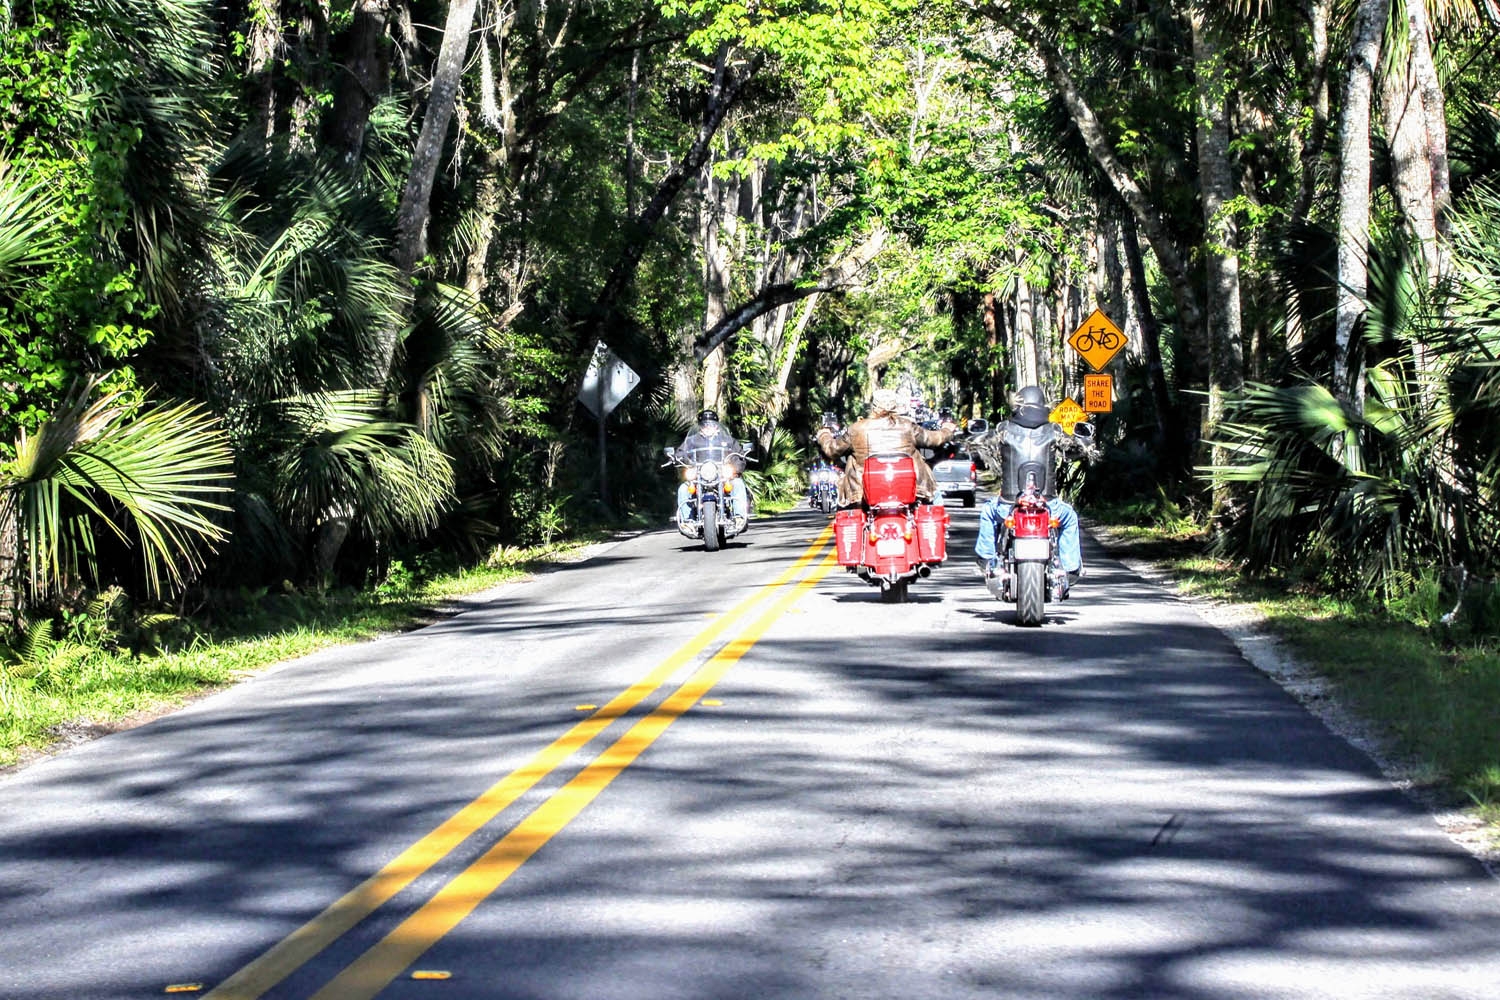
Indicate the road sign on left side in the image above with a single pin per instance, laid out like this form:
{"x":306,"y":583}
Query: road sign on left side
{"x":607,"y":381}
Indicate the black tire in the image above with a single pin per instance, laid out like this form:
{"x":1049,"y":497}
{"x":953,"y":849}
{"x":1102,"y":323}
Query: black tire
{"x":827,"y":504}
{"x":970,"y":500}
{"x":710,"y":515}
{"x":894,"y":593}
{"x":1031,"y":593}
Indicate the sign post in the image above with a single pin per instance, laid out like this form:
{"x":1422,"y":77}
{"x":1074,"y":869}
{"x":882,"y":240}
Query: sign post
{"x":606,"y":383}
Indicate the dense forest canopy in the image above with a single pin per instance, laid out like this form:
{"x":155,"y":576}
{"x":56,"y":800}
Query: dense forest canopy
{"x":288,"y":286}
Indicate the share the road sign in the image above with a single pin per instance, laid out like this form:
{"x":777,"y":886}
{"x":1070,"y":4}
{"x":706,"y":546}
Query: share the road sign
{"x":1097,"y":340}
{"x":1098,"y":393}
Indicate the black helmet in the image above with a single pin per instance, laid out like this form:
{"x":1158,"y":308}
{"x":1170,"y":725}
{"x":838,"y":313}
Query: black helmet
{"x":708,"y":416}
{"x":1031,"y":407}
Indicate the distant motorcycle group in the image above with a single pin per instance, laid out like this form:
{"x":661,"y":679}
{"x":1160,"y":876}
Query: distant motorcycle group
{"x":890,"y":527}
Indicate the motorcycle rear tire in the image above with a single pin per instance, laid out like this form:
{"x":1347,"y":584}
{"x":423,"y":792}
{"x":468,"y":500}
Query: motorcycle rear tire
{"x":710,"y":515}
{"x":1031,"y":593}
{"x":894,"y":593}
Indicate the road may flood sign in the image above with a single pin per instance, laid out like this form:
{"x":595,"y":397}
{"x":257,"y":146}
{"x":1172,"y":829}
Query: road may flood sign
{"x":1097,"y":340}
{"x":607,"y":382}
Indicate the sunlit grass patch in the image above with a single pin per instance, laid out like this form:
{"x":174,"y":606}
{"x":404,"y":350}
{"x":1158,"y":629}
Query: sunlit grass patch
{"x":57,"y":689}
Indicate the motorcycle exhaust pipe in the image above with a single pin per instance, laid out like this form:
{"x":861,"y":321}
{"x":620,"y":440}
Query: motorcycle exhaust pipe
{"x":924,"y":571}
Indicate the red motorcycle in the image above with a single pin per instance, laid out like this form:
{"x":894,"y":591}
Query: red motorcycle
{"x":892,"y":539}
{"x":1028,"y":572}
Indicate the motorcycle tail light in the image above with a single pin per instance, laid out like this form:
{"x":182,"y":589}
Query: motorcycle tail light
{"x":1055,"y":522}
{"x":1010,"y":523}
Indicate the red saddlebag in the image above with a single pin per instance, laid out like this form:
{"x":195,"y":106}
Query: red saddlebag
{"x":932,"y":533}
{"x":849,"y":536}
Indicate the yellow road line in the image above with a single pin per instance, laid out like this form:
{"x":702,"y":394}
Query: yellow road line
{"x":388,"y":958}
{"x":307,"y":941}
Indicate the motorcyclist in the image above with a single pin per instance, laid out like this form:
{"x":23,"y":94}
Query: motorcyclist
{"x":710,"y":442}
{"x":887,"y":430}
{"x":1028,"y":445}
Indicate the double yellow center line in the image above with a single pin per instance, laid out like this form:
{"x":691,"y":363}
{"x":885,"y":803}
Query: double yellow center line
{"x":384,"y":961}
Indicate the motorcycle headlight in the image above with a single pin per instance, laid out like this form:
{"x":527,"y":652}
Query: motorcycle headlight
{"x":709,"y":472}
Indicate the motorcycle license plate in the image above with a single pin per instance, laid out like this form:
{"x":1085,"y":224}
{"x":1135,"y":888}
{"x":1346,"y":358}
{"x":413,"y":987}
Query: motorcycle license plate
{"x":1032,"y":549}
{"x":890,"y":547}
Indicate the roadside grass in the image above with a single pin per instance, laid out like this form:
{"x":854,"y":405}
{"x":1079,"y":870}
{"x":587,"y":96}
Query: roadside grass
{"x":1430,"y":689}
{"x":88,"y":680}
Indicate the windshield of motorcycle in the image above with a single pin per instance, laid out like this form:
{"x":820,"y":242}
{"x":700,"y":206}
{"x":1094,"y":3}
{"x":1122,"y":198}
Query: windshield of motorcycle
{"x":699,"y":448}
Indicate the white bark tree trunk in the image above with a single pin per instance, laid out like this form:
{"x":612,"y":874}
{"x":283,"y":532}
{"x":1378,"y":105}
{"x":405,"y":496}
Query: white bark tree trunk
{"x":1354,"y":193}
{"x":1220,"y":231}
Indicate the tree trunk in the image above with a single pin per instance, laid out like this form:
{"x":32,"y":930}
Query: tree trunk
{"x":1317,"y":93}
{"x":263,"y":43}
{"x":488,"y":200}
{"x":1028,"y":370}
{"x":362,"y":53}
{"x":10,"y":562}
{"x":1161,"y":399}
{"x":1220,"y":231}
{"x":995,"y":337}
{"x":1354,"y":194}
{"x":1436,"y":117}
{"x":311,"y":55}
{"x":416,"y":196}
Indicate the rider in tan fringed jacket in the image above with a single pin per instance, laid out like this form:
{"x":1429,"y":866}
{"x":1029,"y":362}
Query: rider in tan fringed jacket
{"x":886,"y":431}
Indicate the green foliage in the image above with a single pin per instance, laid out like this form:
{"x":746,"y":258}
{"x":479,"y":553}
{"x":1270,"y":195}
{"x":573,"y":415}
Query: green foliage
{"x":152,"y":477}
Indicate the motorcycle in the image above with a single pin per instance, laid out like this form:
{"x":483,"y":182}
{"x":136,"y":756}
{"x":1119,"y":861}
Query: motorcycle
{"x":823,"y":487}
{"x":1027,"y":570}
{"x":892,"y":539}
{"x":713,"y":478}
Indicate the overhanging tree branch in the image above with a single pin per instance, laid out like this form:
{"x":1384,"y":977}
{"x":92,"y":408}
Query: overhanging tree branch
{"x":835,"y":278}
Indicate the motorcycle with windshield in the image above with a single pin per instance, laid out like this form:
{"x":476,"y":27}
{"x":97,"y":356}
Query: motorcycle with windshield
{"x":823,"y":487}
{"x":712,"y":475}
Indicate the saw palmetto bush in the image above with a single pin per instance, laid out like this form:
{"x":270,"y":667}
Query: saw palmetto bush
{"x":155,"y":479}
{"x":1373,"y":495}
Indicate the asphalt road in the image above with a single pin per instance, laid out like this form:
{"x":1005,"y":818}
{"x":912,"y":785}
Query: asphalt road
{"x":666,"y":773}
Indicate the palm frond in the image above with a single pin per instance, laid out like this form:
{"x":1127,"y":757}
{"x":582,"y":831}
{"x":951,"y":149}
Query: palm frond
{"x":151,"y":477}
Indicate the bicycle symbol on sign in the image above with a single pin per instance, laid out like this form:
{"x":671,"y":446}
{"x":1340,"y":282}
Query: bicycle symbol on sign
{"x":1099,"y":336}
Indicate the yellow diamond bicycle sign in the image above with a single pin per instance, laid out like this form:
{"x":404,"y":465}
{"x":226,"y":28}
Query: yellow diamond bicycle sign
{"x":1097,"y":340}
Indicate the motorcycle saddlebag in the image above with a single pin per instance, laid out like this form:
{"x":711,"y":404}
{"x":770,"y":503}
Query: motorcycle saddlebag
{"x":890,"y":479}
{"x":932,"y":533}
{"x":849,"y":536}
